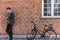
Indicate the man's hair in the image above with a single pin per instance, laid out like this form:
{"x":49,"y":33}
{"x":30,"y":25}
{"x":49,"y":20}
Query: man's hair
{"x":8,"y":8}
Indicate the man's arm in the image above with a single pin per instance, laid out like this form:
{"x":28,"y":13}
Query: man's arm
{"x":7,"y":16}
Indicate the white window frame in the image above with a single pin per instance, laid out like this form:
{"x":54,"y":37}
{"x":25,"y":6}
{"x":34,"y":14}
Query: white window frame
{"x":52,"y":10}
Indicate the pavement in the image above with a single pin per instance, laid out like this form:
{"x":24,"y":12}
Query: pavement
{"x":33,"y":39}
{"x":23,"y":37}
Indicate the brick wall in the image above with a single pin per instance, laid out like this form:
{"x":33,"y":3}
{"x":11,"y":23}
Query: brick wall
{"x":25,"y":10}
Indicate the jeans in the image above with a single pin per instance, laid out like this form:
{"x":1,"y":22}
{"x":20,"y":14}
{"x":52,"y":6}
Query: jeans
{"x":9,"y":31}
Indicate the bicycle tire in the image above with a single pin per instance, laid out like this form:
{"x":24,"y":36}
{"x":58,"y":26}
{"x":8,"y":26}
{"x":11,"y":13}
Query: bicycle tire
{"x":51,"y":35}
{"x":31,"y":36}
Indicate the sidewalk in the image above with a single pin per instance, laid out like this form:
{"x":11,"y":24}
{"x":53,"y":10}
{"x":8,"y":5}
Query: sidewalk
{"x":22,"y":37}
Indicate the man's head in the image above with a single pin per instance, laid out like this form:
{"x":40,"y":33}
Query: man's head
{"x":9,"y":9}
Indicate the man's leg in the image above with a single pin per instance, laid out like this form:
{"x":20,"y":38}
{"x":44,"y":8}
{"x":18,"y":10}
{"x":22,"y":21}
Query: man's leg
{"x":7,"y":29}
{"x":10,"y":35}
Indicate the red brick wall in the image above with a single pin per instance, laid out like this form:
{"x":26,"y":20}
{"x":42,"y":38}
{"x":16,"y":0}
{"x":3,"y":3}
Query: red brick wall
{"x":26,"y":10}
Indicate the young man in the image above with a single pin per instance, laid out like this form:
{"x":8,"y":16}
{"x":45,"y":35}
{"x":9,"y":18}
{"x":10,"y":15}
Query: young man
{"x":10,"y":23}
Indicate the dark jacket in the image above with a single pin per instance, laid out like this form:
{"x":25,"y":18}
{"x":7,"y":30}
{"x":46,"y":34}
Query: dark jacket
{"x":11,"y":18}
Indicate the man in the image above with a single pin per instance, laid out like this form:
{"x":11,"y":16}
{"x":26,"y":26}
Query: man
{"x":10,"y":23}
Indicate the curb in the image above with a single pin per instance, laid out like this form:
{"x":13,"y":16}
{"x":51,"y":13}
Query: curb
{"x":24,"y":36}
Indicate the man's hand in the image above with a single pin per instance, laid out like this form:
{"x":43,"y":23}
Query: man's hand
{"x":7,"y":18}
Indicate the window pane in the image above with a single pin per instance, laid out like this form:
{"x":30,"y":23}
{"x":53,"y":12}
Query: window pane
{"x":47,"y":1}
{"x":55,"y":11}
{"x":47,"y":5}
{"x":49,"y":11}
{"x":45,"y":14}
{"x":55,"y":14}
{"x":55,"y":5}
{"x":45,"y":9}
{"x":56,"y":1}
{"x":58,"y":5}
{"x":49,"y":14}
{"x":58,"y":14}
{"x":58,"y":9}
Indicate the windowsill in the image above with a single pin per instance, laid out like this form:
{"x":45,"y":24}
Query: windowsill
{"x":50,"y":17}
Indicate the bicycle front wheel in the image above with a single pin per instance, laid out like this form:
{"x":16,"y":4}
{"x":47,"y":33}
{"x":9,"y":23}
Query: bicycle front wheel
{"x":51,"y":35}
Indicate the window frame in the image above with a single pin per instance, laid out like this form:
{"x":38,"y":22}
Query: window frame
{"x":52,"y":10}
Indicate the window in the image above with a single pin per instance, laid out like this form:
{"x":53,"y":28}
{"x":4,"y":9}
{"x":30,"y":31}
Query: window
{"x":51,"y":8}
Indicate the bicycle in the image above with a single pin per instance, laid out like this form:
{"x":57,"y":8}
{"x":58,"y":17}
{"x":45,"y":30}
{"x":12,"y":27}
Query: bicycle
{"x":43,"y":34}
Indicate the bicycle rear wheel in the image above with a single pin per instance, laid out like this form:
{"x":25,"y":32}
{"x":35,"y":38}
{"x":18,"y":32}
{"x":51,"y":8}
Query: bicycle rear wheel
{"x":31,"y":35}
